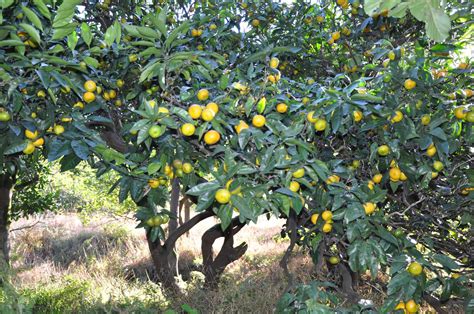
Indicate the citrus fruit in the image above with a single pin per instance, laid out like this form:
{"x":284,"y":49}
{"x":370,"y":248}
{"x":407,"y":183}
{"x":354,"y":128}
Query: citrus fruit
{"x":438,"y":166}
{"x":203,"y":94}
{"x":294,"y":186}
{"x":314,"y":218}
{"x":395,"y":174}
{"x":425,"y":119}
{"x":188,"y":129}
{"x":155,"y":131}
{"x":31,"y":135}
{"x":154,"y":183}
{"x":223,"y":196}
{"x":383,"y":150}
{"x":88,"y":97}
{"x":415,"y":269}
{"x":334,"y":260}
{"x":274,"y":62}
{"x":241,"y":126}
{"x":58,"y":129}
{"x":29,"y":149}
{"x":213,"y":106}
{"x":90,"y":86}
{"x":187,"y":168}
{"x":409,"y":84}
{"x":212,"y":137}
{"x":369,"y":208}
{"x":207,"y":115}
{"x":258,"y":121}
{"x":358,"y":115}
{"x":282,"y":108}
{"x":320,"y":125}
{"x":299,"y":173}
{"x":327,"y":227}
{"x":377,"y":178}
{"x":195,"y":111}
{"x":326,"y":215}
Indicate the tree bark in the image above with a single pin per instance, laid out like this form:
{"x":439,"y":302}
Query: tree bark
{"x":164,"y":256}
{"x":6,"y":185}
{"x":214,"y":267}
{"x":174,"y":204}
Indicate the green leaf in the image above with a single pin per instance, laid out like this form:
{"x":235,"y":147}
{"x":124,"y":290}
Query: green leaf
{"x":80,"y":148}
{"x":11,"y":43}
{"x":153,"y":168}
{"x":446,"y":262}
{"x":32,"y":17}
{"x":15,"y":148}
{"x":372,"y":6}
{"x":438,"y":24}
{"x":109,"y":36}
{"x":65,"y":13}
{"x":91,"y":62}
{"x":34,"y":34}
{"x":225,"y":215}
{"x":42,"y":8}
{"x":203,"y":188}
{"x":86,"y":34}
{"x":181,"y":29}
{"x":61,"y":32}
{"x":72,"y":40}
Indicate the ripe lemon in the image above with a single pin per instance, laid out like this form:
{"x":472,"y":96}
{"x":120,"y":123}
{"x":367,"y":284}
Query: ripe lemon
{"x":377,"y":178}
{"x":298,"y":173}
{"x":58,"y":129}
{"x":163,"y":110}
{"x":403,"y":176}
{"x":425,"y":119}
{"x":294,"y":186}
{"x":155,"y":131}
{"x":187,"y":168}
{"x":274,"y":62}
{"x":213,"y":106}
{"x":112,"y":94}
{"x":370,"y":185}
{"x":411,"y":306}
{"x":154,"y":183}
{"x":282,"y":108}
{"x":320,"y":19}
{"x":90,"y":86}
{"x":29,"y":149}
{"x":460,"y":113}
{"x":336,"y":35}
{"x":305,"y":100}
{"x":88,"y":97}
{"x":327,"y":227}
{"x":431,"y":151}
{"x":41,"y":94}
{"x":409,"y":84}
{"x":400,"y":306}
{"x":333,"y":179}
{"x":314,"y":218}
{"x":358,"y":115}
{"x":383,"y":150}
{"x":203,"y":94}
{"x":177,"y":164}
{"x":31,"y":135}
{"x":4,"y":116}
{"x":395,"y":174}
{"x":310,"y":117}
{"x":415,"y":269}
{"x":120,"y":83}
{"x":468,"y":93}
{"x":195,"y":32}
{"x":241,"y":126}
{"x":188,"y":129}
{"x":79,"y":105}
{"x":258,"y":121}
{"x":397,"y":117}
{"x":212,"y":137}
{"x":213,"y":27}
{"x":320,"y":125}
{"x":39,"y":142}
{"x":132,"y":58}
{"x":195,"y":111}
{"x":223,"y":196}
{"x":369,"y":208}
{"x":326,"y":215}
{"x":207,"y":115}
{"x":438,"y":166}
{"x":434,"y":175}
{"x":455,"y":276}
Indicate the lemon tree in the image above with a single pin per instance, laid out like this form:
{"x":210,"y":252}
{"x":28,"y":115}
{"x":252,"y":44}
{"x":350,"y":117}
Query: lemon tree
{"x":345,"y":118}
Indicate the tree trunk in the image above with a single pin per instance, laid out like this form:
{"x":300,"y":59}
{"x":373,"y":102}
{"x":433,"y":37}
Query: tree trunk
{"x":214,"y":267}
{"x":6,"y":185}
{"x":164,"y":256}
{"x":174,"y":204}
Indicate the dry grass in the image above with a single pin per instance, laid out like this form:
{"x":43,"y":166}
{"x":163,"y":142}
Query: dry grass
{"x":110,"y":260}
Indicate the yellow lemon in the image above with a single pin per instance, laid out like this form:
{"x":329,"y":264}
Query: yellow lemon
{"x":88,"y":97}
{"x":223,"y":196}
{"x":320,"y":125}
{"x":195,"y":111}
{"x":369,"y":208}
{"x":415,"y":269}
{"x":326,"y":215}
{"x":203,"y":94}
{"x":207,"y":115}
{"x":90,"y":86}
{"x":258,"y":121}
{"x":188,"y":129}
{"x":310,"y":117}
{"x":282,"y":108}
{"x":31,"y":135}
{"x":327,"y":227}
{"x":377,"y":178}
{"x":274,"y":62}
{"x":409,"y":84}
{"x":299,"y":173}
{"x":395,"y":174}
{"x":358,"y":115}
{"x":294,"y":186}
{"x":241,"y":126}
{"x":314,"y":218}
{"x":29,"y":149}
{"x":213,"y":106}
{"x":212,"y":137}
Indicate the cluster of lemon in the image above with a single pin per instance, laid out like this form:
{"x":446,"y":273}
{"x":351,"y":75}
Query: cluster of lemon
{"x":206,"y":113}
{"x":409,"y":307}
{"x":91,"y":87}
{"x":327,"y":218}
{"x":320,"y":124}
{"x":34,"y":141}
{"x":157,"y":220}
{"x":179,"y":169}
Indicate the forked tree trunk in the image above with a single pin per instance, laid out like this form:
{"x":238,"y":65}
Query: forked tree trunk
{"x":214,"y":267}
{"x":6,"y":185}
{"x":163,"y":253}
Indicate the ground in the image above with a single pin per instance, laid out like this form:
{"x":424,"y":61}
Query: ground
{"x":101,"y":264}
